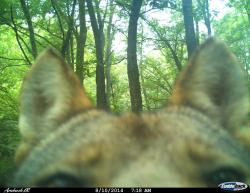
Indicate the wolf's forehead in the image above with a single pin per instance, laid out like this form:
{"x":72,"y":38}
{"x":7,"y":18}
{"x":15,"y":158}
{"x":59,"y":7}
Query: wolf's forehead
{"x":138,"y":134}
{"x":172,"y":125}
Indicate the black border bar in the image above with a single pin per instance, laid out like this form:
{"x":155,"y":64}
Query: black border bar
{"x":113,"y":190}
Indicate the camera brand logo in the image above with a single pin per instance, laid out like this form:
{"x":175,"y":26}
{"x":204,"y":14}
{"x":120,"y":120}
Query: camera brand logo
{"x":233,"y":186}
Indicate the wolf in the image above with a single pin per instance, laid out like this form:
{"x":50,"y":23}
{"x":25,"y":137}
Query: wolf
{"x":191,"y":142}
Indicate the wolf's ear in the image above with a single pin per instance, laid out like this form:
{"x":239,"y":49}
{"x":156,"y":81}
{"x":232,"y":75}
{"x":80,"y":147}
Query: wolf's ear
{"x":213,"y":82}
{"x":50,"y":94}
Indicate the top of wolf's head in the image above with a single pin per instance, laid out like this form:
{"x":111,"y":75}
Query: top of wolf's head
{"x":193,"y":142}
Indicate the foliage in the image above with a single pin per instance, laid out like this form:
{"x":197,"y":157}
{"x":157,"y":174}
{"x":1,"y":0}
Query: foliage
{"x":237,"y":37}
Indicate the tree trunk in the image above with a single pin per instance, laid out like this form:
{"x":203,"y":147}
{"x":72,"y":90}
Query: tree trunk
{"x":189,"y":26}
{"x":30,"y":27}
{"x":81,"y":40}
{"x":66,"y":41}
{"x":197,"y":31}
{"x":174,"y":54}
{"x":108,"y":53}
{"x":100,"y":78}
{"x":144,"y":90}
{"x":204,"y":5}
{"x":207,"y":18}
{"x":132,"y":67}
{"x":53,"y":3}
{"x":72,"y":53}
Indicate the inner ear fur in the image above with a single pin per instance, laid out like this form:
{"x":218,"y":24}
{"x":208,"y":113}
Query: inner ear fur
{"x":213,"y":82}
{"x":50,"y":94}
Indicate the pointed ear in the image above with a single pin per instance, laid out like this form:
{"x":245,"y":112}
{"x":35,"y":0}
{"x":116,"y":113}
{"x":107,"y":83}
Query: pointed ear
{"x":213,"y":82}
{"x":50,"y":94}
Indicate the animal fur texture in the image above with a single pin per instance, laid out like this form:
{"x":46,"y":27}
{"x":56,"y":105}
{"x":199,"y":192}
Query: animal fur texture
{"x":191,"y":142}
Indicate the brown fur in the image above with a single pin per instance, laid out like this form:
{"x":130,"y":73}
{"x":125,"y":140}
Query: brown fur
{"x":191,"y":143}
